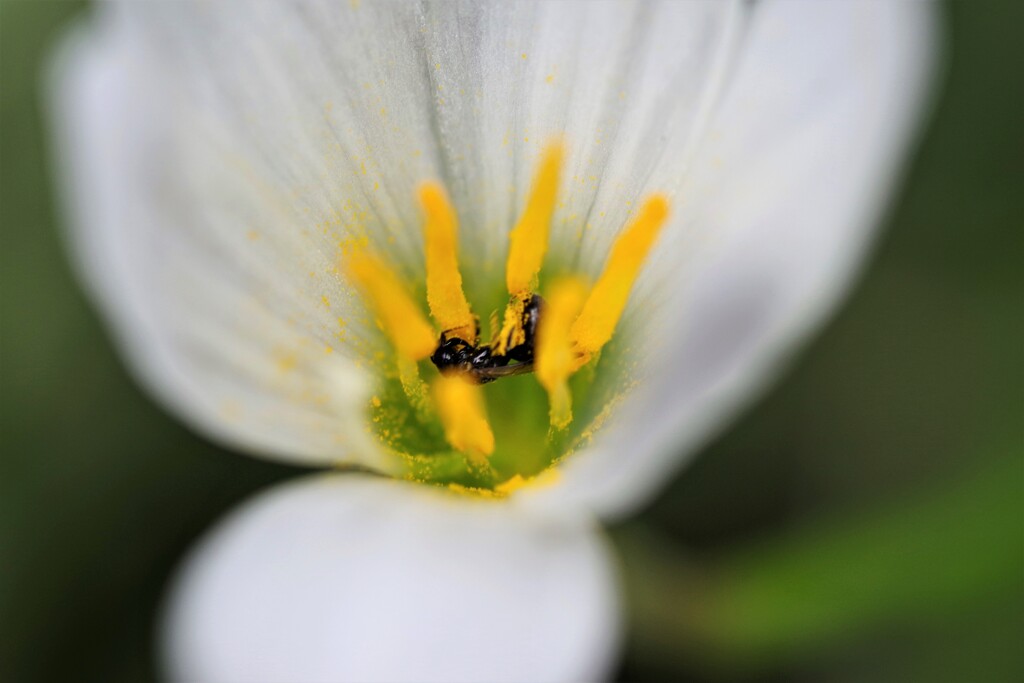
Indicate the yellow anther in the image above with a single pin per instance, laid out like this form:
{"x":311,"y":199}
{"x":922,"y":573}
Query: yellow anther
{"x":548,"y":477}
{"x":512,"y":333}
{"x":447,"y":301}
{"x":529,"y":240}
{"x":607,"y":299}
{"x":556,"y":358}
{"x":404,"y":324}
{"x":460,"y":405}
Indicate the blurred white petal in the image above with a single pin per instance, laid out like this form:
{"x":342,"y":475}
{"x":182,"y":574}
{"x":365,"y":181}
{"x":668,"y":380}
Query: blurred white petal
{"x":772,"y":221}
{"x":358,"y":578}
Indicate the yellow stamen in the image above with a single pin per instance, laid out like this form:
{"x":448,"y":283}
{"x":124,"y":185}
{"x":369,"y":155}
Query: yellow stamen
{"x":460,"y":406}
{"x":529,"y":240}
{"x":447,"y":301}
{"x":607,"y":299}
{"x":556,"y":359}
{"x":548,"y":477}
{"x":512,"y":333}
{"x":411,"y":334}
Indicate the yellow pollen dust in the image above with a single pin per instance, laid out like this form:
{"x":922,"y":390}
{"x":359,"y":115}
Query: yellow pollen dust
{"x":512,"y":333}
{"x":460,"y":406}
{"x":556,"y":358}
{"x":411,"y":334}
{"x":447,"y":301}
{"x":528,"y":242}
{"x":603,"y":308}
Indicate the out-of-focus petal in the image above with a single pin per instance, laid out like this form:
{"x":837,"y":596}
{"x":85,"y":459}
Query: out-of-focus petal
{"x":358,"y":578}
{"x":771,"y":221}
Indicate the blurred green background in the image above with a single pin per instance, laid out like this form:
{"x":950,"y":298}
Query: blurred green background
{"x":863,"y":522}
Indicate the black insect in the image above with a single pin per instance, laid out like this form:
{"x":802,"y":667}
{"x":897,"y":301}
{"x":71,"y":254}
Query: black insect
{"x":455,"y":355}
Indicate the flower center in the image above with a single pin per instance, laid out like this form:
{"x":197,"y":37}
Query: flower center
{"x":546,"y":349}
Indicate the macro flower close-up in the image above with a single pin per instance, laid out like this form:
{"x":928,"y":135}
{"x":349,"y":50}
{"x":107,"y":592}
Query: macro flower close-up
{"x":484,"y":275}
{"x":264,"y":196}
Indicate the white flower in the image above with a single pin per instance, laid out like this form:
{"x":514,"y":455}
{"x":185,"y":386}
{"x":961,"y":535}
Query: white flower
{"x":220,"y":157}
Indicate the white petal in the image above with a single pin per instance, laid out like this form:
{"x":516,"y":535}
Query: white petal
{"x":772,"y":220}
{"x":357,"y":578}
{"x":219,"y":153}
{"x":230,"y":309}
{"x":623,"y":83}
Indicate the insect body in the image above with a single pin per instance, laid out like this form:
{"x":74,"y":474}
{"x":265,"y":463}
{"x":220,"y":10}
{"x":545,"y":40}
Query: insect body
{"x":483,"y":363}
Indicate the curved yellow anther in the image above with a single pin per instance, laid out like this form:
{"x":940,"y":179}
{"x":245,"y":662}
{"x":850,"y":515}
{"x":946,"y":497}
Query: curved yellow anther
{"x":405,"y":326}
{"x":556,"y":358}
{"x":460,"y":405}
{"x":528,"y":242}
{"x":447,"y":301}
{"x":596,"y":323}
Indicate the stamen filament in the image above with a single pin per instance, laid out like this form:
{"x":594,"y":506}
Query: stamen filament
{"x":460,"y":406}
{"x":556,"y":359}
{"x":447,"y":301}
{"x":414,"y":387}
{"x":403,"y":323}
{"x":528,"y":242}
{"x":603,"y":308}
